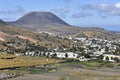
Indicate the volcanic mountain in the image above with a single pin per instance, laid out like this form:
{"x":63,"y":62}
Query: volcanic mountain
{"x":40,"y":19}
{"x":43,"y":21}
{"x":48,"y":22}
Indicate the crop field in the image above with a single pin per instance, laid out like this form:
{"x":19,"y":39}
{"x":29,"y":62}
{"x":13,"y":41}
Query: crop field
{"x":12,"y":61}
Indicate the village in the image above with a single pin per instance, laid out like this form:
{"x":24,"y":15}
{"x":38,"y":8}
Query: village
{"x":88,"y":49}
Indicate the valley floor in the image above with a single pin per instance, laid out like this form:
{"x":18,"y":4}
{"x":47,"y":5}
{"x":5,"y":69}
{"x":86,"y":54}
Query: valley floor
{"x":74,"y":72}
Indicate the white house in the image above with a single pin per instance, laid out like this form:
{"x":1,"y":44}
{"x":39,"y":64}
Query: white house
{"x":60,"y":54}
{"x":82,"y":58}
{"x":65,"y":54}
{"x":72,"y":55}
{"x":32,"y":53}
{"x":110,"y":56}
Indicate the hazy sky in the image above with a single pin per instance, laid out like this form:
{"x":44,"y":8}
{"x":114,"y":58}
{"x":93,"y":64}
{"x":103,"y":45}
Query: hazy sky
{"x":98,"y":13}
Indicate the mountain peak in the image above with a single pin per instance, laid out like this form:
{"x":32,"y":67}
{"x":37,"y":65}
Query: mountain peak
{"x":39,"y":13}
{"x":40,"y":19}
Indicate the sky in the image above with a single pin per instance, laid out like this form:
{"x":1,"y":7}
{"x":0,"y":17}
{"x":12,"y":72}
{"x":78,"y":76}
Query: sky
{"x":83,"y":13}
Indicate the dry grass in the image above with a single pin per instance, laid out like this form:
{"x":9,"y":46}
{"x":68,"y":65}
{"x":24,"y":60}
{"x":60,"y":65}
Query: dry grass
{"x":92,"y":75}
{"x":10,"y":61}
{"x":6,"y":56}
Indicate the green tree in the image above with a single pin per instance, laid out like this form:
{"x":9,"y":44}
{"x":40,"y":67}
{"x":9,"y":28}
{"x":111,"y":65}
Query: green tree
{"x":54,"y":55}
{"x":86,"y":55}
{"x":66,"y":55}
{"x":112,"y":58}
{"x":116,"y":59}
{"x":101,"y":57}
{"x":107,"y":58}
{"x":106,"y":49}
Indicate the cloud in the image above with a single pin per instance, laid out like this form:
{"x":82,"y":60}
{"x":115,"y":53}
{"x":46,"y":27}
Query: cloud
{"x":81,"y":14}
{"x":15,"y":11}
{"x":117,"y":5}
{"x":62,"y":12}
{"x":104,"y":8}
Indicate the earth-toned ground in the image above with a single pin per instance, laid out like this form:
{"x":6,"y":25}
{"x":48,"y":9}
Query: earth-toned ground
{"x":74,"y":72}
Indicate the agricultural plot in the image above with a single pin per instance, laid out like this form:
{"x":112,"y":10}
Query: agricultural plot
{"x":11,"y":61}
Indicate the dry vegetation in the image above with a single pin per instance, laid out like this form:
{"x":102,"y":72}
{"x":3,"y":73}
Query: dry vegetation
{"x":19,"y":36}
{"x":96,"y":32}
{"x":67,"y":73}
{"x":10,"y":61}
{"x":92,"y":75}
{"x":6,"y":56}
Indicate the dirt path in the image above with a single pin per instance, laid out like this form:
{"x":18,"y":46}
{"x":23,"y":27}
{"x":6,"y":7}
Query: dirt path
{"x":35,"y":77}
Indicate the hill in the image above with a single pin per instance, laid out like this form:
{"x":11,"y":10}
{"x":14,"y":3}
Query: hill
{"x":2,"y":23}
{"x":48,"y":22}
{"x":44,"y":21}
{"x":20,"y":40}
{"x":95,"y":32}
{"x":41,"y":19}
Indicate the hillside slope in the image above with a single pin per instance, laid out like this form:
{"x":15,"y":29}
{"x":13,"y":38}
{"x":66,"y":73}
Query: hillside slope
{"x":19,"y":38}
{"x":48,"y":22}
{"x":44,"y":21}
{"x":2,"y":23}
{"x":95,"y":32}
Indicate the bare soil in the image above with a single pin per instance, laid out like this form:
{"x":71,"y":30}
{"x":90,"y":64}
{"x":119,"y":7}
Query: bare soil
{"x":74,"y":73}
